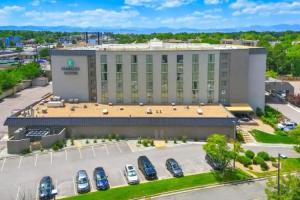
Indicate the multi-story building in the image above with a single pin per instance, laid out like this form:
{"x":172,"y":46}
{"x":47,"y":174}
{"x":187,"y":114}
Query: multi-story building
{"x":161,"y":73}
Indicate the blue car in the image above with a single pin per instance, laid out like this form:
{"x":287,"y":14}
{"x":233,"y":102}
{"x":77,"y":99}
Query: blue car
{"x":100,"y":178}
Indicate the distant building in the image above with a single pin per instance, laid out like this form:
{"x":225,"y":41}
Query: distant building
{"x":273,"y":43}
{"x":252,"y":43}
{"x":12,"y":39}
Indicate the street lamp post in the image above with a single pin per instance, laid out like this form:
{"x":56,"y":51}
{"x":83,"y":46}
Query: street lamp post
{"x":278,"y":176}
{"x":234,"y":130}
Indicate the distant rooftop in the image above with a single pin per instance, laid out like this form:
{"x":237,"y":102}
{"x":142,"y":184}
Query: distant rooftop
{"x":156,"y":45}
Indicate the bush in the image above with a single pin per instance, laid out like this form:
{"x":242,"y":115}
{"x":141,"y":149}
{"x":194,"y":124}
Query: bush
{"x":250,"y":154}
{"x":58,"y":145}
{"x":95,"y":140}
{"x":26,"y":151}
{"x":259,"y":112}
{"x":139,"y":140}
{"x":264,"y":166}
{"x":152,"y":143}
{"x":258,"y":160}
{"x":183,"y":139}
{"x":175,"y":141}
{"x":166,"y":141}
{"x":264,"y":155}
{"x":273,"y":159}
{"x":103,"y":139}
{"x":72,"y":141}
{"x":87,"y":141}
{"x":145,"y":143}
{"x":240,"y":137}
{"x":244,"y":160}
{"x":117,"y":137}
{"x":110,"y":137}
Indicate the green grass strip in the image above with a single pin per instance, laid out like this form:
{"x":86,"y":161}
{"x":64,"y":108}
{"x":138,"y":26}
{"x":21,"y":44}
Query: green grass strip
{"x":161,"y":186}
{"x":264,"y":137}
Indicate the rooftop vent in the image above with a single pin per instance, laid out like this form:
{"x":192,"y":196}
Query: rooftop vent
{"x":149,"y":110}
{"x":105,"y":111}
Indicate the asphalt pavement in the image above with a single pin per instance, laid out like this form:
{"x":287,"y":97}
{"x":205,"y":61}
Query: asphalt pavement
{"x":288,"y":110}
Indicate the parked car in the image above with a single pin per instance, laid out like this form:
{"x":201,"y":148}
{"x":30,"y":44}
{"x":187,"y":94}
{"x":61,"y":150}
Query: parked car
{"x":286,"y":126}
{"x":213,"y":163}
{"x":174,"y":168}
{"x":46,"y":188}
{"x":100,"y":178}
{"x":147,"y":168}
{"x":131,"y":174}
{"x":82,"y":182}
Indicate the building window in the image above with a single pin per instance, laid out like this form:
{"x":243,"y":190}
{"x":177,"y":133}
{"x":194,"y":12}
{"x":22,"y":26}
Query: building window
{"x":149,"y":78}
{"x":119,"y":79}
{"x":210,"y":78}
{"x":179,"y":84}
{"x":164,"y":79}
{"x":104,"y":79}
{"x":195,"y":78}
{"x":134,"y":79}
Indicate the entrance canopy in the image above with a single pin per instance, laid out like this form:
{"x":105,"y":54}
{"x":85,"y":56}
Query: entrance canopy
{"x":239,"y":108}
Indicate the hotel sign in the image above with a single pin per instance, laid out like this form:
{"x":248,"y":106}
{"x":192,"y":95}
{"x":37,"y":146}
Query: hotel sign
{"x":70,"y":68}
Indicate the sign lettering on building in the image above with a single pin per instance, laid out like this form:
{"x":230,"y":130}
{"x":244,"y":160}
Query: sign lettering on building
{"x":70,"y":68}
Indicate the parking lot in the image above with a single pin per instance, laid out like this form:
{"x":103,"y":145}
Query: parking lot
{"x":22,"y":174}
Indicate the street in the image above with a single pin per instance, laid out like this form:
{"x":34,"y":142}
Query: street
{"x":287,"y":110}
{"x":245,"y":191}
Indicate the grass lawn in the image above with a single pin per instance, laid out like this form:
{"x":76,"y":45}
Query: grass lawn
{"x":287,"y":165}
{"x":264,"y":137}
{"x":161,"y":186}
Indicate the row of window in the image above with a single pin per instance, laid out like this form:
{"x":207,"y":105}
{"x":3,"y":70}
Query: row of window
{"x":149,"y":78}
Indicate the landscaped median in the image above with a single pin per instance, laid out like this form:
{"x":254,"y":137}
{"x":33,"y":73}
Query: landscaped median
{"x":163,"y":186}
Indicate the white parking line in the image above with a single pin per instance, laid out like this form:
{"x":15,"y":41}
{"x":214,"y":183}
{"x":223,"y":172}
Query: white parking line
{"x":37,"y":192}
{"x":51,"y":157}
{"x":119,"y":148}
{"x":80,"y":155}
{"x":74,"y":186}
{"x":91,"y":182}
{"x":18,"y":191}
{"x":56,"y":183}
{"x":168,"y":174}
{"x":35,"y":161}
{"x":3,"y":164}
{"x":106,"y":149}
{"x":20,"y":161}
{"x":94,"y":153}
{"x":123,"y":176}
{"x":66,"y":154}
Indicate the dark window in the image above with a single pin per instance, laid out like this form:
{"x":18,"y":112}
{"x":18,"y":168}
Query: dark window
{"x":134,"y":59}
{"x":164,"y":59}
{"x":179,"y":58}
{"x":119,"y":67}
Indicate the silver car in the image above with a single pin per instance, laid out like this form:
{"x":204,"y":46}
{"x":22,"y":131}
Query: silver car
{"x":131,"y":174}
{"x":82,"y":182}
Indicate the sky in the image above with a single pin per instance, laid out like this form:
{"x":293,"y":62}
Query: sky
{"x":196,"y":14}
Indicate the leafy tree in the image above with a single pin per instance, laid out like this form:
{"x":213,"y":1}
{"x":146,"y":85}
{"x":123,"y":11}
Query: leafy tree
{"x":236,"y":149}
{"x":217,"y":148}
{"x":44,"y":53}
{"x":19,"y":49}
{"x":289,"y":188}
{"x":11,"y":43}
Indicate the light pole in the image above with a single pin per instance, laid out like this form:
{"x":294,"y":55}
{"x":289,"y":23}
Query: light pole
{"x":234,"y":129}
{"x":278,"y":176}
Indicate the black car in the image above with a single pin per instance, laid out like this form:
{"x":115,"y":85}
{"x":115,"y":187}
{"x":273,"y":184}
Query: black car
{"x":174,"y":168}
{"x":100,"y":178}
{"x":46,"y":188}
{"x":216,"y":165}
{"x":147,"y":168}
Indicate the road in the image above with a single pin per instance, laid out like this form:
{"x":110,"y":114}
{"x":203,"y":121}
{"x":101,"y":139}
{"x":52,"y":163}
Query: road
{"x":288,"y":110}
{"x":19,"y":101}
{"x":22,"y":173}
{"x":246,"y":191}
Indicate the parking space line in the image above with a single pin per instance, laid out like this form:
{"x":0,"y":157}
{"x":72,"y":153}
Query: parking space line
{"x":74,"y":186}
{"x":122,"y":174}
{"x":66,"y":154}
{"x":20,"y":161}
{"x":37,"y":192}
{"x":94,"y":153}
{"x":56,"y":183}
{"x":91,"y":182}
{"x":51,"y":157}
{"x":35,"y":161}
{"x":165,"y":169}
{"x":80,"y":155}
{"x":141,"y":176}
{"x":3,"y":164}
{"x":18,"y":191}
{"x":106,"y":149}
{"x":119,"y":148}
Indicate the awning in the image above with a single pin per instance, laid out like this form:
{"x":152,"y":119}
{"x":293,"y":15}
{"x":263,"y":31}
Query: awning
{"x":239,"y":108}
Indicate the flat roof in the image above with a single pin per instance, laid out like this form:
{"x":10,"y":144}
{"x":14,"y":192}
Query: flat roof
{"x":104,"y":110}
{"x":239,"y":107}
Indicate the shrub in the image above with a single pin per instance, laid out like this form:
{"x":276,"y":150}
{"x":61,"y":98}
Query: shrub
{"x":183,"y":139}
{"x":258,"y":160}
{"x":117,"y":137}
{"x":72,"y":141}
{"x":195,"y":139}
{"x":152,"y":143}
{"x":95,"y":140}
{"x":139,"y":140}
{"x":145,"y":143}
{"x":244,"y":160}
{"x":103,"y":139}
{"x":110,"y":137}
{"x":273,"y":159}
{"x":240,"y":137}
{"x":175,"y":141}
{"x":113,"y":136}
{"x":264,"y":155}
{"x":166,"y":141}
{"x":42,"y":149}
{"x":264,"y":166}
{"x":250,"y":154}
{"x":259,"y":112}
{"x":26,"y":151}
{"x":87,"y":141}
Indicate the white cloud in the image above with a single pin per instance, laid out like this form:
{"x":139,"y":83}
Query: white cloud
{"x":245,"y":7}
{"x":158,"y":4}
{"x":96,"y":18}
{"x":6,"y":10}
{"x":35,"y":2}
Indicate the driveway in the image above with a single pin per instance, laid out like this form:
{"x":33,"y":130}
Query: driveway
{"x":246,"y":191}
{"x":291,"y":112}
{"x":19,"y":101}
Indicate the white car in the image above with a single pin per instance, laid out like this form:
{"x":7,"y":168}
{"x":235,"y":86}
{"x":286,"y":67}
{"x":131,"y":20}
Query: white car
{"x":287,"y":126}
{"x":131,"y":174}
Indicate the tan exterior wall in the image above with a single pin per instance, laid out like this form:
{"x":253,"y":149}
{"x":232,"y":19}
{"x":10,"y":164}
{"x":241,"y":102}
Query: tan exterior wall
{"x":152,"y":131}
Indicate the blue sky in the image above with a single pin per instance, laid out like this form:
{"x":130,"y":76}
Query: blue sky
{"x":199,"y":14}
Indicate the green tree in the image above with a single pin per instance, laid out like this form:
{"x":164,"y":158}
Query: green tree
{"x":217,"y":148}
{"x":11,"y":43}
{"x":44,"y":53}
{"x":289,"y":188}
{"x":236,"y":149}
